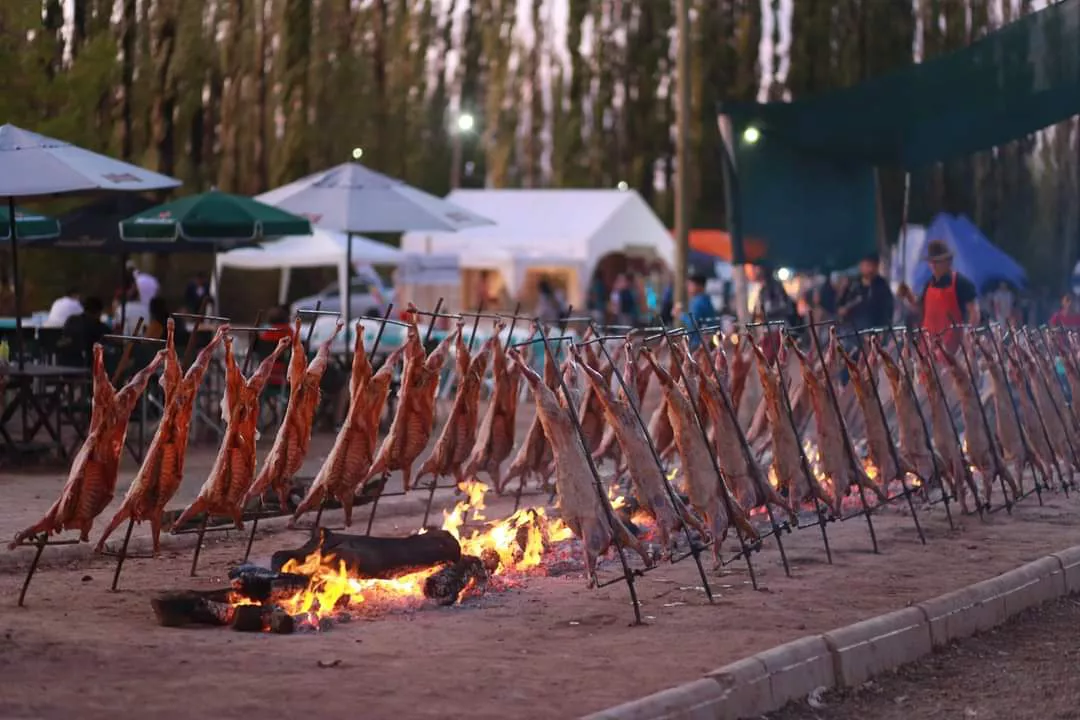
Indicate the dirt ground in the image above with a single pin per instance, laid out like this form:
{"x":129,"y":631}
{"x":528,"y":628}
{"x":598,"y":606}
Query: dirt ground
{"x":1023,"y":670}
{"x":548,"y":649}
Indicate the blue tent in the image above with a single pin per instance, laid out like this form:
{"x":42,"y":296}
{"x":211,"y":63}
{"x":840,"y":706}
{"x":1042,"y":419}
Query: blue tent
{"x":974,"y":257}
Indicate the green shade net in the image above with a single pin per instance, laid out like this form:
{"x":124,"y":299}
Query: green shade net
{"x":807,"y":185}
{"x":213,"y":216}
{"x":28,"y":226}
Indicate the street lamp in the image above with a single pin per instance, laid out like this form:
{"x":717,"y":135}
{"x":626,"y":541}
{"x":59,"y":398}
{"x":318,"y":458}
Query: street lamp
{"x":751,"y":135}
{"x":623,"y":186}
{"x":464,"y":125}
{"x":357,"y":153}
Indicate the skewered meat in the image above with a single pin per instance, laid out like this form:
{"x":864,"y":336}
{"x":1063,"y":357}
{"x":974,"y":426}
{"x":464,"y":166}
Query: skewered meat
{"x":1048,"y":410}
{"x":786,"y":455}
{"x":535,"y":455}
{"x":839,"y":466}
{"x":234,"y":467}
{"x":744,"y":475}
{"x":415,"y":416}
{"x":92,"y":479}
{"x":637,"y":378}
{"x":703,"y":485}
{"x":349,"y":460}
{"x":1047,"y":366}
{"x":981,"y":452}
{"x":458,"y":436}
{"x":890,"y":461}
{"x":1029,"y":417}
{"x":495,"y":438}
{"x":913,"y":442}
{"x":1015,"y":442}
{"x":590,"y":410}
{"x":650,"y":485}
{"x":162,"y":469}
{"x":579,"y":501}
{"x":294,"y":435}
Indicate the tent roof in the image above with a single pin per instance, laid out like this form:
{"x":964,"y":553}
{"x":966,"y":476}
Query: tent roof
{"x":320,"y":249}
{"x":578,"y":225}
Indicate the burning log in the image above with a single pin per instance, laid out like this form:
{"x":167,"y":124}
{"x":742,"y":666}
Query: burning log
{"x":375,"y":557}
{"x":467,"y":575}
{"x":266,"y":586}
{"x":193,"y":607}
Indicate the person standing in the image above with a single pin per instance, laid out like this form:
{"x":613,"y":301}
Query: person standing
{"x":624,"y":300}
{"x":867,"y":303}
{"x":63,"y":307}
{"x":549,"y":306}
{"x":701,"y":311}
{"x":81,"y":331}
{"x":146,"y":284}
{"x":1066,"y":316}
{"x":198,"y":289}
{"x":949,"y":298}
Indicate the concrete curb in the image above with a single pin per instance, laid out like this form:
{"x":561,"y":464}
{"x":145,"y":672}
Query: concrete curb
{"x":141,"y":544}
{"x":849,"y":656}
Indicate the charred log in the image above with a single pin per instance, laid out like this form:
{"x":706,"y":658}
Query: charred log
{"x":192,"y":607}
{"x":266,"y":586}
{"x":463,"y":577}
{"x":375,"y":557}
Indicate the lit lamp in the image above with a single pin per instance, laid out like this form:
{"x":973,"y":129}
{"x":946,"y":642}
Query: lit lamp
{"x":751,"y":135}
{"x":357,"y":153}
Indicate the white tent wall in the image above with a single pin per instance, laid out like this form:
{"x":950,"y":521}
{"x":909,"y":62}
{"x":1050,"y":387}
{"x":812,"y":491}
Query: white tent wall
{"x":907,"y":254}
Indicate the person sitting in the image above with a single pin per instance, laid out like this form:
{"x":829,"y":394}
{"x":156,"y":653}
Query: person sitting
{"x":80,"y":332}
{"x":63,"y":307}
{"x":159,"y":320}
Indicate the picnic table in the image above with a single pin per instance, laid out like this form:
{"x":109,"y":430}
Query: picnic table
{"x":41,"y":396}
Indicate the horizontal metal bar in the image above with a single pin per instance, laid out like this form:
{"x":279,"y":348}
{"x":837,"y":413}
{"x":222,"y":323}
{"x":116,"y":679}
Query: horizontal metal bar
{"x":430,"y":313}
{"x":601,"y":339}
{"x":250,"y":328}
{"x":313,"y":311}
{"x":767,"y":323}
{"x":490,"y":316}
{"x":381,"y":320}
{"x":133,"y":338}
{"x":197,"y":316}
{"x":577,"y":319}
{"x":550,"y":338}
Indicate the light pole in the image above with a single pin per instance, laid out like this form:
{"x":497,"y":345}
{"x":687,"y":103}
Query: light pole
{"x":463,"y":125}
{"x":682,"y":154}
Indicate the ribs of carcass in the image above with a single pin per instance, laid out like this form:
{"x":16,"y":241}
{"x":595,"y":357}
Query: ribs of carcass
{"x":294,"y":435}
{"x":890,"y":461}
{"x":743,"y":473}
{"x":495,"y":438}
{"x":535,"y":456}
{"x":92,"y":479}
{"x":162,"y":468}
{"x":650,"y":485}
{"x":838,"y":463}
{"x":703,"y":485}
{"x":981,"y":451}
{"x":233,"y":470}
{"x":350,"y":458}
{"x":787,"y":460}
{"x":579,"y":501}
{"x":414,"y":418}
{"x":458,"y":435}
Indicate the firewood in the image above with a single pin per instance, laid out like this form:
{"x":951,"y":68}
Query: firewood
{"x":266,"y":586}
{"x":447,"y":584}
{"x":191,"y":607}
{"x":375,"y":557}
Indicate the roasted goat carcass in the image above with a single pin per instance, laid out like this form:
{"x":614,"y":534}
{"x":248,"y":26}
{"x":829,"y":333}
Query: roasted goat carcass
{"x":162,"y":468}
{"x":591,"y":409}
{"x":1038,"y":433}
{"x":495,"y":438}
{"x":650,"y":485}
{"x":838,"y":463}
{"x":703,"y":485}
{"x":982,"y":454}
{"x":891,"y":461}
{"x":293,"y":438}
{"x":350,"y":458}
{"x":92,"y":479}
{"x":787,"y":460}
{"x":579,"y":504}
{"x":1048,"y":411}
{"x":415,"y":416}
{"x":638,"y":379}
{"x":234,"y":467}
{"x":458,"y":436}
{"x":535,"y":456}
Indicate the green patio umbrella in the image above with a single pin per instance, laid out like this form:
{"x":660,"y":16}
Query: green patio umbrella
{"x":212,"y":215}
{"x":28,"y":225}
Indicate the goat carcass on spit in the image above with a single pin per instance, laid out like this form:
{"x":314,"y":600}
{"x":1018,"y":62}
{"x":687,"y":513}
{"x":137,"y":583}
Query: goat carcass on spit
{"x":535,"y":456}
{"x":638,"y":379}
{"x":787,"y":461}
{"x":839,"y":466}
{"x":92,"y":479}
{"x":1047,"y":408}
{"x":703,"y":485}
{"x":579,"y":502}
{"x":350,"y":458}
{"x":414,"y":419}
{"x":1029,"y":417}
{"x":650,"y":485}
{"x":591,"y":410}
{"x":981,"y":451}
{"x":458,"y":436}
{"x":495,"y":438}
{"x":162,"y":469}
{"x":294,"y":435}
{"x":234,"y":467}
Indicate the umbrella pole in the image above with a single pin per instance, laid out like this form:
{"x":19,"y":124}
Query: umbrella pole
{"x":15,"y":282}
{"x":123,"y":291}
{"x":346,"y":296}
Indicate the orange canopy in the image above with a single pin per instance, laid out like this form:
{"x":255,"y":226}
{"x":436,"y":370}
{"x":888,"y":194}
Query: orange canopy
{"x":718,"y":244}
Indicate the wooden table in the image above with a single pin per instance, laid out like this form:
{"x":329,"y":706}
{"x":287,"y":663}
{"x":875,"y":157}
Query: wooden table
{"x":40,"y":395}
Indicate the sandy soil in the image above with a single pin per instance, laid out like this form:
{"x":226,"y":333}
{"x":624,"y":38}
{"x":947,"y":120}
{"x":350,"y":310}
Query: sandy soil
{"x":1023,"y":670}
{"x":548,"y":649}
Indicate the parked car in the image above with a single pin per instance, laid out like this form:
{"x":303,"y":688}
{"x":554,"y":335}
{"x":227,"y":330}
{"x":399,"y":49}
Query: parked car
{"x":369,"y":298}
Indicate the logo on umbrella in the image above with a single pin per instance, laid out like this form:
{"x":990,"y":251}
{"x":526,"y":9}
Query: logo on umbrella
{"x":313,"y":217}
{"x":121,"y":177}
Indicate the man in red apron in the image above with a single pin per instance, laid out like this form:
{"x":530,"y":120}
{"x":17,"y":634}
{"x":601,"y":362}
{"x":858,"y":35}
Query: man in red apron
{"x":949,"y":298}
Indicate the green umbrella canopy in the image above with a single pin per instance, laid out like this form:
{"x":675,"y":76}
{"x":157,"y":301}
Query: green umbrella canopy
{"x":212,"y":216}
{"x":28,"y":225}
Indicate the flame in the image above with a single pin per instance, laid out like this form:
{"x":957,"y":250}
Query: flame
{"x":617,"y":499}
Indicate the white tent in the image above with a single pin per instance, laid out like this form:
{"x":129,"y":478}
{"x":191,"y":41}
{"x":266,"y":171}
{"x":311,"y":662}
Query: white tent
{"x":564,"y":229}
{"x":323,"y":248}
{"x":907,"y":254}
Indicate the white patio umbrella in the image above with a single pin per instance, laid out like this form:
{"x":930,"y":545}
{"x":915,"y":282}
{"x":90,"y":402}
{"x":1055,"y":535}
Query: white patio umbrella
{"x":33,"y":165}
{"x":354,"y":200}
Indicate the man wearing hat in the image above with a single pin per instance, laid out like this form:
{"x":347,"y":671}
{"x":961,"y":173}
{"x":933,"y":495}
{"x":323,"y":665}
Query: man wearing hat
{"x":949,"y":298}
